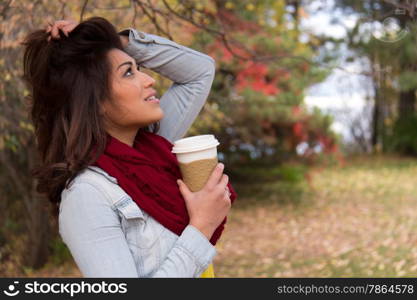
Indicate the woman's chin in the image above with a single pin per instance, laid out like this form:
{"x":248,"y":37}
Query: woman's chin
{"x":161,"y":115}
{"x":158,"y":117}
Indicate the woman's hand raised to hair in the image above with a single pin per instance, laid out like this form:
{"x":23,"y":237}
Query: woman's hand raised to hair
{"x":66,"y":26}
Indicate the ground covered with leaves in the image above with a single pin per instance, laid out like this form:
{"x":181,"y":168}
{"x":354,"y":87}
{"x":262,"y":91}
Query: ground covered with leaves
{"x":355,"y":221}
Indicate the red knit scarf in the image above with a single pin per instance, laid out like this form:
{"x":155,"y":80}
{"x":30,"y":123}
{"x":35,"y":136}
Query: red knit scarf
{"x":148,"y":172}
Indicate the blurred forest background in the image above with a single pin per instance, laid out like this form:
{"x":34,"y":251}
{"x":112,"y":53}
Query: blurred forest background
{"x":314,"y":199}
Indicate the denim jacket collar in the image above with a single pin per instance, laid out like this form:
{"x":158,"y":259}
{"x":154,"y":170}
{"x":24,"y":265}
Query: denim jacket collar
{"x":104,"y":173}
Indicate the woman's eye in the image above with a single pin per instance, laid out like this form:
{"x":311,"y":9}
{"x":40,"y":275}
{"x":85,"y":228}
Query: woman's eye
{"x":130,"y":70}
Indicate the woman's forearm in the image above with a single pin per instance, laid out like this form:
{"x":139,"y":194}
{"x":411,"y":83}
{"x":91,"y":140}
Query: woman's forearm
{"x":172,"y":60}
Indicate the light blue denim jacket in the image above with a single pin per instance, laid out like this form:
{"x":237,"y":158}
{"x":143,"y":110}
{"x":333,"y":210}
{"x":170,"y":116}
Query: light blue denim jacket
{"x":106,"y":232}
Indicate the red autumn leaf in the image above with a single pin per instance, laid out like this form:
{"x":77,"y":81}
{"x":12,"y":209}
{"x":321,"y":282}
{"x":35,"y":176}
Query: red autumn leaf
{"x":298,"y":129}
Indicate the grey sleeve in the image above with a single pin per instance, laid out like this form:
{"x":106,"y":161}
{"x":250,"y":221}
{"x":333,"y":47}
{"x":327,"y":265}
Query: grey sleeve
{"x":92,"y":231}
{"x":192,"y":73}
{"x":190,"y":256}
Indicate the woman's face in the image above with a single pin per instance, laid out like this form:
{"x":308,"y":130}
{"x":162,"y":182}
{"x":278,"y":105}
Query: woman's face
{"x":127,"y":109}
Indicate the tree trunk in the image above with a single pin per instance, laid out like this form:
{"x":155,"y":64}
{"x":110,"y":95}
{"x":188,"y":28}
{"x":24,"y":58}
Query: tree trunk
{"x":379,"y":101}
{"x":407,"y":103}
{"x":39,"y":226}
{"x":407,"y":98}
{"x":35,"y":216}
{"x":39,"y":234}
{"x":375,"y":120}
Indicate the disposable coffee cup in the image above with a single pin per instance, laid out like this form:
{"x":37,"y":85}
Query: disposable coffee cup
{"x":197,"y":158}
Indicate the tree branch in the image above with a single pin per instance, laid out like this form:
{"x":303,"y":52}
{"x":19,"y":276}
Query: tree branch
{"x":83,"y":10}
{"x":152,"y":18}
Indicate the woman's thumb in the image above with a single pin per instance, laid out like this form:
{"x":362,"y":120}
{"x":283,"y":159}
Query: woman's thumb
{"x":183,"y":188}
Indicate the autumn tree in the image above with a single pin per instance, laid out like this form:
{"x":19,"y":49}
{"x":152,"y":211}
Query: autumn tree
{"x":255,"y":107}
{"x":385,"y":33}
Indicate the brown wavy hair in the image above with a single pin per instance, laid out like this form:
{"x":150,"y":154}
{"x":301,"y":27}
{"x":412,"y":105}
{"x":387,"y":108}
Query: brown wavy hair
{"x":68,"y":80}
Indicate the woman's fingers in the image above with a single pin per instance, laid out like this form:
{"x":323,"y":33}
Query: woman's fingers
{"x":49,"y":26}
{"x":215,"y":176}
{"x":58,"y":25}
{"x":71,"y":26}
{"x":65,"y":26}
{"x":68,"y":28}
{"x":54,"y":31}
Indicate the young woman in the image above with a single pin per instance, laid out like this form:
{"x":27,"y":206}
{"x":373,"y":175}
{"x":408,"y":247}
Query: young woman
{"x":105,"y":144}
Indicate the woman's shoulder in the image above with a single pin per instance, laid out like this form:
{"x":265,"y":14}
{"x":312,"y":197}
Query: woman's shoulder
{"x":95,"y":178}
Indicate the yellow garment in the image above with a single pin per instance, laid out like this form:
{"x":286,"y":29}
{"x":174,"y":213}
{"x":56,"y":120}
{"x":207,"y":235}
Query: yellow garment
{"x":209,"y":272}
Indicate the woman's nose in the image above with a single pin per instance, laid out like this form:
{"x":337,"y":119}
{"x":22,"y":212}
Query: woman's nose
{"x":148,"y":80}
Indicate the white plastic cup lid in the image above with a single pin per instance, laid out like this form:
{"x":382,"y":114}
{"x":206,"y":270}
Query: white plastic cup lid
{"x":195,"y":143}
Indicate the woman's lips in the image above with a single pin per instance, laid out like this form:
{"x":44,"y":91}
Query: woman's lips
{"x":152,"y":98}
{"x":156,"y":100}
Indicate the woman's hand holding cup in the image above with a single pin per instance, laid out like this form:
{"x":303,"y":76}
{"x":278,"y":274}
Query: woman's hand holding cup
{"x":209,"y":206}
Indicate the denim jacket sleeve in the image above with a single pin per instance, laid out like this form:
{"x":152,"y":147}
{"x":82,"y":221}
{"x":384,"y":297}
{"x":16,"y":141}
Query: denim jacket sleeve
{"x":192,"y":73}
{"x":92,"y":231}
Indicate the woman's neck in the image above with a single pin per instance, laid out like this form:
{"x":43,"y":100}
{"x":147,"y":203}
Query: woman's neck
{"x":126,"y":136}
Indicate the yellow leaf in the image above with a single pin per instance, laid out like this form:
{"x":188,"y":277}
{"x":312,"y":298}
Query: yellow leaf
{"x":229,"y":5}
{"x":250,"y":6}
